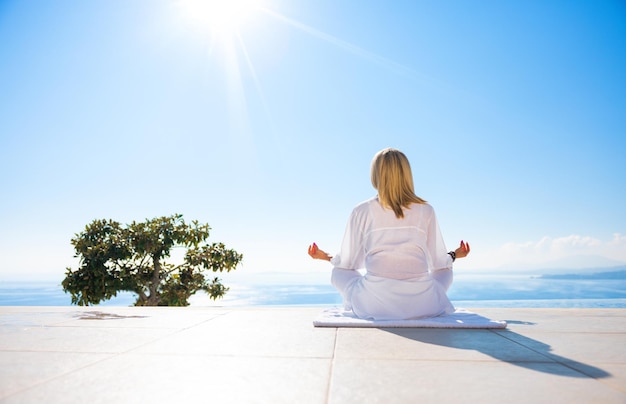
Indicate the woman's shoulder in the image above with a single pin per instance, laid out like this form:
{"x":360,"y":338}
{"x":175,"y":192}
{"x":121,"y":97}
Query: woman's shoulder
{"x":423,"y":208}
{"x":366,"y":205}
{"x":425,"y":205}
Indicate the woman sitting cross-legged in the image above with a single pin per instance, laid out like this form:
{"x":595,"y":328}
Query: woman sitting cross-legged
{"x":395,"y":237}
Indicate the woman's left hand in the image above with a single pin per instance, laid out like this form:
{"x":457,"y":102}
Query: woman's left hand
{"x":318,"y":254}
{"x":463,"y":250}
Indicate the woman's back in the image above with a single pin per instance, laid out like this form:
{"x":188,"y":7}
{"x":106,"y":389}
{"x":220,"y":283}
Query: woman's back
{"x":396,"y":247}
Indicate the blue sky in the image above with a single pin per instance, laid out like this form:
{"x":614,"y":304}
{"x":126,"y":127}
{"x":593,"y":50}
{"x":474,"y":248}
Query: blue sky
{"x":513,"y":115}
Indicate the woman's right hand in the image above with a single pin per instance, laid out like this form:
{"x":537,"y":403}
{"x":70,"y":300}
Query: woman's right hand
{"x":316,"y":253}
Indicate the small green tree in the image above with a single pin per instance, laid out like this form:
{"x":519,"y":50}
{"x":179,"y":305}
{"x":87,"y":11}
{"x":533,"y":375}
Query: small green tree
{"x":115,"y":258}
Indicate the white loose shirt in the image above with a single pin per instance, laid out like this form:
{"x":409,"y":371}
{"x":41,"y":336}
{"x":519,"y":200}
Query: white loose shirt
{"x":401,"y":257}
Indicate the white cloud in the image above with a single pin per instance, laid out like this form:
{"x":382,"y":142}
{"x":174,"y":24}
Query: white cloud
{"x":573,"y":251}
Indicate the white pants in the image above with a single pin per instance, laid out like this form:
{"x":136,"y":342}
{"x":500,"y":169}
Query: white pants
{"x":386,"y":299}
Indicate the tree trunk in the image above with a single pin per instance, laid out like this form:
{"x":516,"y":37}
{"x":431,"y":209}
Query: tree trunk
{"x":141,"y":301}
{"x":155,"y":298}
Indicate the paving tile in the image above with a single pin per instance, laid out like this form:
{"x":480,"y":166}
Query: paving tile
{"x":560,"y":320}
{"x":77,"y":339}
{"x":30,"y":317}
{"x":396,"y":381}
{"x":616,"y":374}
{"x":106,"y":317}
{"x":142,"y":318}
{"x":135,"y":378}
{"x":279,"y":333}
{"x":22,"y":370}
{"x":571,"y":346}
{"x":431,"y":344}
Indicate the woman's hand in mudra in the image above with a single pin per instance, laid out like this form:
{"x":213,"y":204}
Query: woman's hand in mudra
{"x":318,"y":254}
{"x":463,"y":250}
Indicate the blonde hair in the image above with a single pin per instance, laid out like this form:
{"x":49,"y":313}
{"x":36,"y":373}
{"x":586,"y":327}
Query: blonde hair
{"x":392,"y":177}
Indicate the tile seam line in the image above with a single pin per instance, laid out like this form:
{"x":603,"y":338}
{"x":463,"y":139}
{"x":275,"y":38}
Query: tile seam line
{"x":562,"y":363}
{"x":174,"y":332}
{"x":112,"y":328}
{"x":621,"y":390}
{"x":569,"y":333}
{"x":194,"y":354}
{"x":59,"y":376}
{"x":431,"y":360}
{"x":331,"y":368}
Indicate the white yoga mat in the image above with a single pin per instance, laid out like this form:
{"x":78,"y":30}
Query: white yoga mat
{"x":461,"y":318}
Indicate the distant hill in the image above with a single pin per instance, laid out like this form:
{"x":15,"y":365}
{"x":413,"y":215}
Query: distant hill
{"x":616,"y":273}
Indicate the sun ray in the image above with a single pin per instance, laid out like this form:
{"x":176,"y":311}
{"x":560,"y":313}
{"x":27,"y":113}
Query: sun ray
{"x":218,"y":22}
{"x":236,"y":95}
{"x":257,"y":85}
{"x":347,"y":46}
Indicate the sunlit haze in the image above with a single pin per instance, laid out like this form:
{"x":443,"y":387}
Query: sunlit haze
{"x":261,"y":119}
{"x":220,"y":18}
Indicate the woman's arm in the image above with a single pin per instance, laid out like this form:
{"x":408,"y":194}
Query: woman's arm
{"x":351,"y":255}
{"x":437,"y":248}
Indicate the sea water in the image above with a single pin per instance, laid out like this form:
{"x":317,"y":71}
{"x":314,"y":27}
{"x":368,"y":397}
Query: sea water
{"x":517,"y":290}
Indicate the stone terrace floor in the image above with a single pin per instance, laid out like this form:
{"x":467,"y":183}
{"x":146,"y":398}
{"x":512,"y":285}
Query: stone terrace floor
{"x":275,"y":355}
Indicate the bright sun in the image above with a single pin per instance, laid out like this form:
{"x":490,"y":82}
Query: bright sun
{"x":222,"y":18}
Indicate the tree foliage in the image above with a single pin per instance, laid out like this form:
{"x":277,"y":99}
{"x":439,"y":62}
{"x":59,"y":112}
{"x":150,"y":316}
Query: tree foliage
{"x":115,"y":258}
